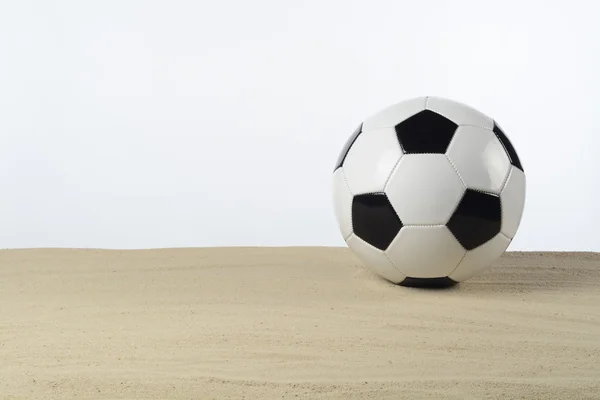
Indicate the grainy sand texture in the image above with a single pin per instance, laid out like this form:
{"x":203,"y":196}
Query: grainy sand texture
{"x":286,"y":323}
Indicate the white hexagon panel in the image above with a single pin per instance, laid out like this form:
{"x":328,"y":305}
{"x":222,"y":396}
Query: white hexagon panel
{"x":479,"y":158}
{"x":425,"y":252}
{"x":424,"y":189}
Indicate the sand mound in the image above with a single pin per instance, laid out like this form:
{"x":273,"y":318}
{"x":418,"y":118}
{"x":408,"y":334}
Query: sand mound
{"x":263,"y":323}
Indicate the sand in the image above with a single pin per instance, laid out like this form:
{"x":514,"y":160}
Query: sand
{"x":284,"y":323}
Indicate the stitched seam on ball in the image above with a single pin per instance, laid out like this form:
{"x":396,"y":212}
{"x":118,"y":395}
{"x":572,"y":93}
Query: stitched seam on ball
{"x":455,"y":238}
{"x":456,"y":170}
{"x":346,"y":183}
{"x":393,"y":265}
{"x":461,"y":197}
{"x":426,"y":154}
{"x":503,"y":146}
{"x":426,"y":102}
{"x":384,"y":253}
{"x":348,"y":238}
{"x":351,"y":198}
{"x":460,"y":262}
{"x":508,"y":238}
{"x":502,"y":213}
{"x":477,"y":126}
{"x":505,"y":235}
{"x":392,"y":171}
{"x":453,"y":211}
{"x":484,"y":192}
{"x":424,"y":225}
{"x":476,"y":189}
{"x":351,"y":233}
{"x":510,"y":172}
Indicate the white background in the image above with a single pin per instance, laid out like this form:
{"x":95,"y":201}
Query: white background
{"x":137,"y":124}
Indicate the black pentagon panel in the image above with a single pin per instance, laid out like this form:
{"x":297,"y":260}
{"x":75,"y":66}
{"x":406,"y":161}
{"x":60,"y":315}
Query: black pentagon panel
{"x":477,"y":219}
{"x":429,"y":283}
{"x":425,"y":132}
{"x":347,"y":146}
{"x":510,"y":150}
{"x":374,"y":219}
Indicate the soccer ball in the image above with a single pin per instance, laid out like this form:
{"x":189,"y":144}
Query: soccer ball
{"x":428,"y":192}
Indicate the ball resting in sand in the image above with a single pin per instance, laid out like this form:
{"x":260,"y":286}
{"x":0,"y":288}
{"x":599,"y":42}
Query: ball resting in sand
{"x":428,"y":192}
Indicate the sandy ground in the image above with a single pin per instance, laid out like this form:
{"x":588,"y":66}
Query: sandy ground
{"x":310,"y":323}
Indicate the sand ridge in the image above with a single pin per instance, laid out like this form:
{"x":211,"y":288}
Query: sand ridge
{"x":295,"y":322}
